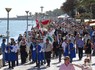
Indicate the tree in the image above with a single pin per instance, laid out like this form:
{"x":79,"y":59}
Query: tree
{"x":69,"y":7}
{"x":89,"y":6}
{"x":81,"y":6}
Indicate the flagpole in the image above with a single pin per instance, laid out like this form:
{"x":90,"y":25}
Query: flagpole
{"x":41,"y":20}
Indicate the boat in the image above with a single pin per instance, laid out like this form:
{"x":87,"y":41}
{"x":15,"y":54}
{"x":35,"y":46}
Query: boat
{"x":3,"y":36}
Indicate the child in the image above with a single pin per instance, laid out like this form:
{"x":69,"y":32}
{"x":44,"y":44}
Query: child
{"x":86,"y":65}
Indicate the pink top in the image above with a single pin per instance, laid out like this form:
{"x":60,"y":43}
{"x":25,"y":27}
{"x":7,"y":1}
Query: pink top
{"x":69,"y":67}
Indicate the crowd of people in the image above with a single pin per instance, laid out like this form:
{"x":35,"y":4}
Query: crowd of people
{"x":69,"y":39}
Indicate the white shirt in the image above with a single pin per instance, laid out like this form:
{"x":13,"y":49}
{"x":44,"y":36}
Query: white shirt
{"x":16,"y":48}
{"x":64,"y":44}
{"x":42,"y":47}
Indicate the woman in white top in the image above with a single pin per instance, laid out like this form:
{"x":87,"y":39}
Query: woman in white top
{"x":86,"y":65}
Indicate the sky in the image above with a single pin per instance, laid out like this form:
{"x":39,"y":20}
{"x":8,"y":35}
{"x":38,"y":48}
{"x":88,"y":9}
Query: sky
{"x":20,"y":6}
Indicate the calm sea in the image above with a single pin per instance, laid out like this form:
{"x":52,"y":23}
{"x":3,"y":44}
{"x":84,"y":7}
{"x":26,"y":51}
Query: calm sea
{"x":16,"y":27}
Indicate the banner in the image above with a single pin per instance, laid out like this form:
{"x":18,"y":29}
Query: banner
{"x":45,"y":22}
{"x":37,"y":24}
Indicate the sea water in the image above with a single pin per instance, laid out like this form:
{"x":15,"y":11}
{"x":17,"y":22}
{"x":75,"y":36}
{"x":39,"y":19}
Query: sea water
{"x":16,"y":27}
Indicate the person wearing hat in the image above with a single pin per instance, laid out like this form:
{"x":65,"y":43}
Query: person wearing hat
{"x":67,"y":65}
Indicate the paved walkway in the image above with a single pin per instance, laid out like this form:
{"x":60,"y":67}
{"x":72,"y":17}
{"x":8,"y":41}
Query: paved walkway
{"x":54,"y":65}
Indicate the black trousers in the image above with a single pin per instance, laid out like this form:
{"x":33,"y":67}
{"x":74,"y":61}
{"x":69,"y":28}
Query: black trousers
{"x":55,"y":53}
{"x":23,"y":57}
{"x":48,"y":57}
{"x":60,"y":55}
{"x":17,"y":59}
{"x":80,"y":53}
{"x":11,"y":64}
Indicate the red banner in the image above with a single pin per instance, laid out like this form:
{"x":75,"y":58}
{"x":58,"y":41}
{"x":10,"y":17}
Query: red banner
{"x":45,"y":22}
{"x":37,"y":24}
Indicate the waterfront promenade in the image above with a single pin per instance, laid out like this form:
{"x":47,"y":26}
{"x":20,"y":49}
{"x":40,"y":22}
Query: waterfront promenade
{"x":54,"y":65}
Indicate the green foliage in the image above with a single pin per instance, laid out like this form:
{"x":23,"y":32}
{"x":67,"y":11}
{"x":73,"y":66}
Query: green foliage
{"x":81,"y":6}
{"x":69,"y":7}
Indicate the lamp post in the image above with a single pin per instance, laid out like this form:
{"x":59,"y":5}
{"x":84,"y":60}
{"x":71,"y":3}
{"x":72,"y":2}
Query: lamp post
{"x":41,"y":12}
{"x":27,"y":25}
{"x":8,"y":10}
{"x":41,"y":9}
{"x":31,"y":19}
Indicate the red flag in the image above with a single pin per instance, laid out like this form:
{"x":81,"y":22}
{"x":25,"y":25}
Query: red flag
{"x":45,"y":22}
{"x":37,"y":24}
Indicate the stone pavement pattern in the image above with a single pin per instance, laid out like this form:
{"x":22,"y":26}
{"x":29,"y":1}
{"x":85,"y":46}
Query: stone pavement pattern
{"x":54,"y":65}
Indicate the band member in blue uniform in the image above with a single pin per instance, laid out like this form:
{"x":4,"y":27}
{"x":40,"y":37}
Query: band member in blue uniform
{"x":10,"y":55}
{"x":42,"y":51}
{"x":33,"y":50}
{"x":7,"y":54}
{"x":13,"y":56}
{"x":71,"y":50}
{"x":38,"y":54}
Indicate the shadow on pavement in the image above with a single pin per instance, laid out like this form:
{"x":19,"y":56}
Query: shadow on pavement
{"x":93,"y":64}
{"x":58,"y":66}
{"x":55,"y":63}
{"x":7,"y":69}
{"x":37,"y":68}
{"x":75,"y":60}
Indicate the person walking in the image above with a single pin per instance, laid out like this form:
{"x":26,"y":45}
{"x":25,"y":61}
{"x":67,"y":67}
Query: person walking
{"x":60,"y":50}
{"x":88,"y":48}
{"x":86,"y":65}
{"x":64,"y":46}
{"x":23,"y":51}
{"x":80,"y":45}
{"x":13,"y":56}
{"x":33,"y":50}
{"x":48,"y":50}
{"x":42,"y":52}
{"x":55,"y":48}
{"x":3,"y":46}
{"x":67,"y":65}
{"x":71,"y":51}
{"x":7,"y":54}
{"x":16,"y":52}
{"x":38,"y":53}
{"x":10,"y":55}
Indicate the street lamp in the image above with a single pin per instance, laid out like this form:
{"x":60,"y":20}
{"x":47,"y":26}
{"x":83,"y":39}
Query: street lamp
{"x":27,"y":25}
{"x":31,"y":18}
{"x":41,"y":9}
{"x":8,"y":10}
